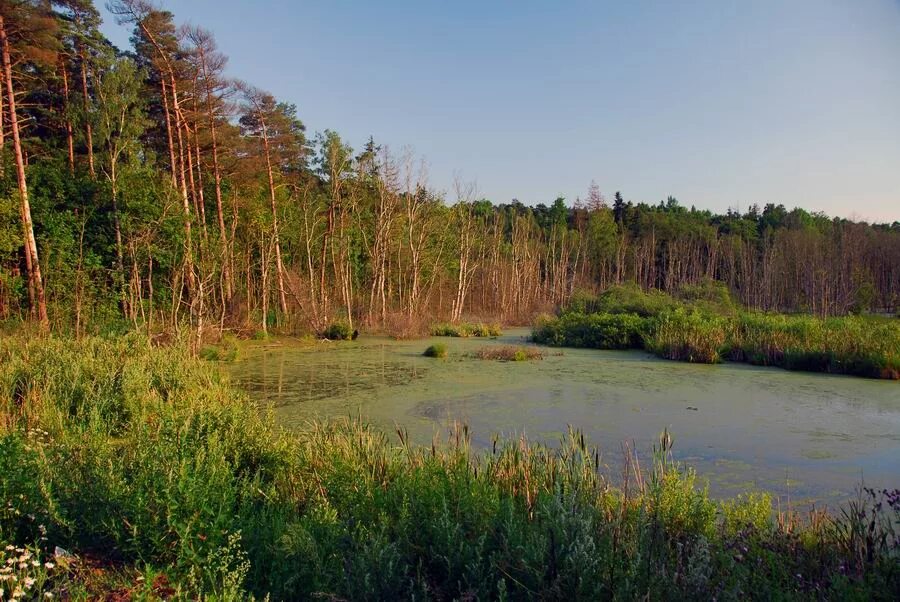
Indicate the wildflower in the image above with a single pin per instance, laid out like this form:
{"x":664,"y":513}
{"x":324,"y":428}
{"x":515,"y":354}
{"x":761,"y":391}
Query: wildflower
{"x":10,"y":548}
{"x":49,"y":565}
{"x":29,"y":581}
{"x":35,"y":563}
{"x":48,"y":595}
{"x":18,"y":593}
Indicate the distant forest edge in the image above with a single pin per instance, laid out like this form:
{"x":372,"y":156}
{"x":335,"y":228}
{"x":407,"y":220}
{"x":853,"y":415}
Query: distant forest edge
{"x":145,"y":188}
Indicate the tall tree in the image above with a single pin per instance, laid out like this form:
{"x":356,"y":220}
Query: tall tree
{"x":32,"y":29}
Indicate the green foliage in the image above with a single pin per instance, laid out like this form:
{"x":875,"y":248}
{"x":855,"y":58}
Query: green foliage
{"x":338,"y":331}
{"x":465,"y":329}
{"x":144,"y":458}
{"x":688,"y":337}
{"x":438,"y":350}
{"x":624,"y":299}
{"x":704,"y":326}
{"x":595,"y":330}
{"x":226,"y":350}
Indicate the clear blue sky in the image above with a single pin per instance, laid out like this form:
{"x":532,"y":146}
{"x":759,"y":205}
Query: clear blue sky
{"x":721,"y":103}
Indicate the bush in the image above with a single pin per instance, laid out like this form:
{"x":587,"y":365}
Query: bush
{"x":339,"y":331}
{"x":437,"y":351}
{"x":597,"y":331}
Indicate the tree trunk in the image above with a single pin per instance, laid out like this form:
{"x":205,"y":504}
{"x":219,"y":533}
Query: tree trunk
{"x":279,"y":268}
{"x":88,"y":131}
{"x":31,"y":249}
{"x":70,"y":142}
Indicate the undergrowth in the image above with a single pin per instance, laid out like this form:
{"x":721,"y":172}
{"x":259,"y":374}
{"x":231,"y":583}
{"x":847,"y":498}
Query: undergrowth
{"x":162,"y":481}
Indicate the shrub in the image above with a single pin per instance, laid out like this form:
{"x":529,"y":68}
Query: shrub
{"x":598,"y":331}
{"x":437,"y":350}
{"x":338,"y":331}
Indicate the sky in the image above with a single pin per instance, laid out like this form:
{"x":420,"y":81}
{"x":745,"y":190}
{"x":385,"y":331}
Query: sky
{"x":720,"y":103}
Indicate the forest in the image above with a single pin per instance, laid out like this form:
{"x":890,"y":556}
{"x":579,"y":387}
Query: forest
{"x":146,"y":188}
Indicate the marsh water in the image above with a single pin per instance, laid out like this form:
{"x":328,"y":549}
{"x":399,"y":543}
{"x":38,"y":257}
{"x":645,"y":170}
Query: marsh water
{"x":799,"y":435}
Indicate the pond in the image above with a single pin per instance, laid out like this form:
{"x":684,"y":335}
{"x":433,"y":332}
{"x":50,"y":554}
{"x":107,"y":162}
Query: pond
{"x":805,"y":437}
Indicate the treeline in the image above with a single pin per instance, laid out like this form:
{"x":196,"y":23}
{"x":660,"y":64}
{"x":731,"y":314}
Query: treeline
{"x":146,"y":188}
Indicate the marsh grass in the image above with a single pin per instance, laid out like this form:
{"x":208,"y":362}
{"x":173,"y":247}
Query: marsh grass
{"x":858,"y":345}
{"x":146,"y":465}
{"x":509,"y":353}
{"x":465,"y":329}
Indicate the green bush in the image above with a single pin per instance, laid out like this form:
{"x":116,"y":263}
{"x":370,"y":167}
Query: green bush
{"x":597,"y":331}
{"x":437,"y":351}
{"x":338,"y":331}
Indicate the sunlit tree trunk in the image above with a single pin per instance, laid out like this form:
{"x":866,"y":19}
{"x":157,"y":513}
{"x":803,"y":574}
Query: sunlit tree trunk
{"x":31,"y":250}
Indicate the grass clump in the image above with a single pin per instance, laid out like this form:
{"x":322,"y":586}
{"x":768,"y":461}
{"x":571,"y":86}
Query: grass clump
{"x":465,"y":329}
{"x":144,"y":463}
{"x":688,"y":337}
{"x":438,"y":350}
{"x":509,"y":353}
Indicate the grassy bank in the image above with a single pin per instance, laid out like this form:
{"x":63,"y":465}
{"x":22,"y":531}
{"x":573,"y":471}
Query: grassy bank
{"x":706,"y":328}
{"x":162,"y":481}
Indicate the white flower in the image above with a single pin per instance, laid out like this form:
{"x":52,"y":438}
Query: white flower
{"x":35,"y":563}
{"x":29,"y":581}
{"x":48,"y":594}
{"x":49,"y":565}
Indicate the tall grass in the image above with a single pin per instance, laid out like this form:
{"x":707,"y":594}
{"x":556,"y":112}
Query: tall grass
{"x":708,"y":332}
{"x":147,"y":466}
{"x":465,"y":329}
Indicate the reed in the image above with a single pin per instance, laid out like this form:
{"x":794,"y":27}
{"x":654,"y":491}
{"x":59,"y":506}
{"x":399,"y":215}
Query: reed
{"x":465,"y":329}
{"x":509,"y":353}
{"x":865,"y":346}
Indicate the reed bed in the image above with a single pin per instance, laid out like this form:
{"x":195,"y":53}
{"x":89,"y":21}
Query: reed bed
{"x":865,"y":346}
{"x":465,"y":329}
{"x":137,"y":472}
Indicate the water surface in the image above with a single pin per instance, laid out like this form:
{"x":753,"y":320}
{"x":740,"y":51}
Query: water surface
{"x":802,"y":436}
